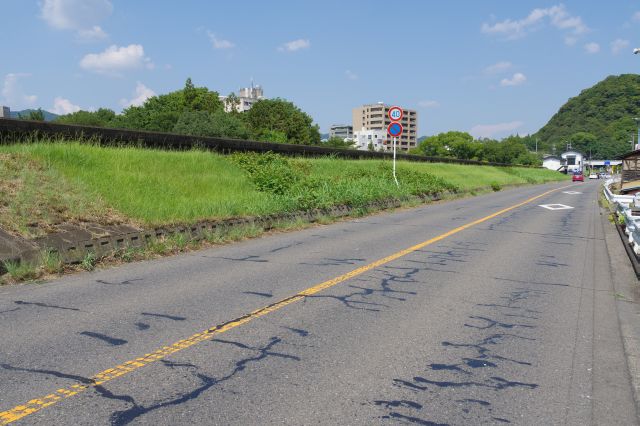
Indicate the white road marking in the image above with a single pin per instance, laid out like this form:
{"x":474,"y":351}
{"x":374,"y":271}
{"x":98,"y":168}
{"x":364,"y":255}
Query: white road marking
{"x":571,"y":192}
{"x":555,"y":206}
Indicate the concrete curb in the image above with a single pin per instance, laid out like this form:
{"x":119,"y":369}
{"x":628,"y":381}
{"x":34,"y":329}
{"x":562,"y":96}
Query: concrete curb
{"x":627,"y":297}
{"x":75,"y":250}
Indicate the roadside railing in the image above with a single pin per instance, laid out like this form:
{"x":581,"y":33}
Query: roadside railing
{"x":624,"y":210}
{"x":616,"y":198}
{"x":631,"y":226}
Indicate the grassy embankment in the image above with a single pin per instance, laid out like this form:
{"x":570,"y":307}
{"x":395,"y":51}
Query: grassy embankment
{"x":43,"y":185}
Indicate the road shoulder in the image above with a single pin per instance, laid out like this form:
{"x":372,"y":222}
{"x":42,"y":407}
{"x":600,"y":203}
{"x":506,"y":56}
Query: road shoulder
{"x":627,"y":300}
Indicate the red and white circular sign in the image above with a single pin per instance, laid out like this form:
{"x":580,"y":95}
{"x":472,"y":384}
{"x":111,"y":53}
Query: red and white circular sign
{"x":395,"y":113}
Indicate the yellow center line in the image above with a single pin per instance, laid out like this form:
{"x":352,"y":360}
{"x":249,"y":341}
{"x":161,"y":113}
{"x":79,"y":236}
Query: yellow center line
{"x":38,"y":404}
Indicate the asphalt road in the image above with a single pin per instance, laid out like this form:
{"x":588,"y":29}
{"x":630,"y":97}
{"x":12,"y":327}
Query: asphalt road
{"x":511,"y":319}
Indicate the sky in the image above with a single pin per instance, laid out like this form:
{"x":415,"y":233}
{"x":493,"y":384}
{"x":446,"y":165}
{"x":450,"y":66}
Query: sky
{"x":491,"y":68}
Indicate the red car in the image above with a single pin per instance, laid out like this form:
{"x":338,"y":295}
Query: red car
{"x":577,"y":177}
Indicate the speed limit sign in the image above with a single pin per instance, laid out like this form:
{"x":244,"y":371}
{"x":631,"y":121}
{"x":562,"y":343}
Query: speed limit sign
{"x":395,"y":113}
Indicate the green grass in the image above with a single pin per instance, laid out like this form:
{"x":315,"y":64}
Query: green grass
{"x":21,"y":271}
{"x":34,"y":197}
{"x":152,"y":186}
{"x":52,"y":183}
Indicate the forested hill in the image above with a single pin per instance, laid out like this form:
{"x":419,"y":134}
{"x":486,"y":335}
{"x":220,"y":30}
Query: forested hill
{"x":600,"y":119}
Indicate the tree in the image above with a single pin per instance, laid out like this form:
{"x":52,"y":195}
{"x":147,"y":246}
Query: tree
{"x":100,"y":118}
{"x":273,"y":136}
{"x":217,"y":124}
{"x":231,"y":103}
{"x":511,"y":150}
{"x":161,"y":113}
{"x":35,"y":115}
{"x":336,"y":142}
{"x":583,"y":141}
{"x":605,"y":110}
{"x":279,"y":115}
{"x":449,"y":144}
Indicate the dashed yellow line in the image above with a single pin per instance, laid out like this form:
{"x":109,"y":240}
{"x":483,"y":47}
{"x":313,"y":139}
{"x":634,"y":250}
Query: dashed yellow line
{"x":38,"y":404}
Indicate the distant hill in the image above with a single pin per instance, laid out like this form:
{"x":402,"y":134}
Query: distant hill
{"x":48,"y":116}
{"x":599,"y":120}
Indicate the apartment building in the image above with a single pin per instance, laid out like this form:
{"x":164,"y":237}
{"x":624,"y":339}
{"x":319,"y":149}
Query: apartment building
{"x":375,"y":117}
{"x":342,"y":131}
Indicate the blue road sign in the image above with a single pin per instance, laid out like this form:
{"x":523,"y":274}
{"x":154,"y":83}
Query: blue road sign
{"x":395,"y":129}
{"x":607,"y":163}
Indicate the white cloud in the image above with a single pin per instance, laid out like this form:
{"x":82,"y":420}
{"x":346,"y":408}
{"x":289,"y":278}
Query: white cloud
{"x":63,"y":106}
{"x":557,"y":16}
{"x":498,"y":67}
{"x":592,"y":47}
{"x":140,"y":95}
{"x":636,"y":17}
{"x":490,"y":130}
{"x":351,"y":75}
{"x":618,"y":45}
{"x":219,"y":43}
{"x":294,"y":45}
{"x":516,"y":80}
{"x":116,"y":59}
{"x":92,"y":34}
{"x":82,"y":16}
{"x":429,"y":104}
{"x":12,"y":93}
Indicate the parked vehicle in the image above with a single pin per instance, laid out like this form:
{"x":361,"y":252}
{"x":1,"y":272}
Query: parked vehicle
{"x":578,"y":177}
{"x":594,"y":176}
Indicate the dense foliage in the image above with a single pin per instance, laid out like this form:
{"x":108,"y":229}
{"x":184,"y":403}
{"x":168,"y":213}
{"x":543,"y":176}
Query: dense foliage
{"x":282,"y":116}
{"x":161,"y":113}
{"x":511,"y":150}
{"x":217,"y":124}
{"x":99,"y":118}
{"x":199,"y":111}
{"x":336,"y":142}
{"x":295,"y":182}
{"x":599,"y":122}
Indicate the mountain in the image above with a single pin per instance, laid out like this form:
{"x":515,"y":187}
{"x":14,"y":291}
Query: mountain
{"x":48,"y":116}
{"x":599,"y":121}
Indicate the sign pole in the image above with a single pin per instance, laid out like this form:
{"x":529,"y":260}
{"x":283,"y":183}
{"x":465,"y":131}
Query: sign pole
{"x":394,"y":162}
{"x":395,"y":130}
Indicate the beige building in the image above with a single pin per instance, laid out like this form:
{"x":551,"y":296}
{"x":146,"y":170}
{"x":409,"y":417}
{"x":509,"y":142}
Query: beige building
{"x":375,"y":117}
{"x":247,"y":97}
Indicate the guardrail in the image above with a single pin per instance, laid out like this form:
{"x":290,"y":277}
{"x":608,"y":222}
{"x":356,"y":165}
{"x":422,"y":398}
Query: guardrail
{"x":625,"y":200}
{"x":12,"y":130}
{"x":631,"y":226}
{"x":628,"y":225}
